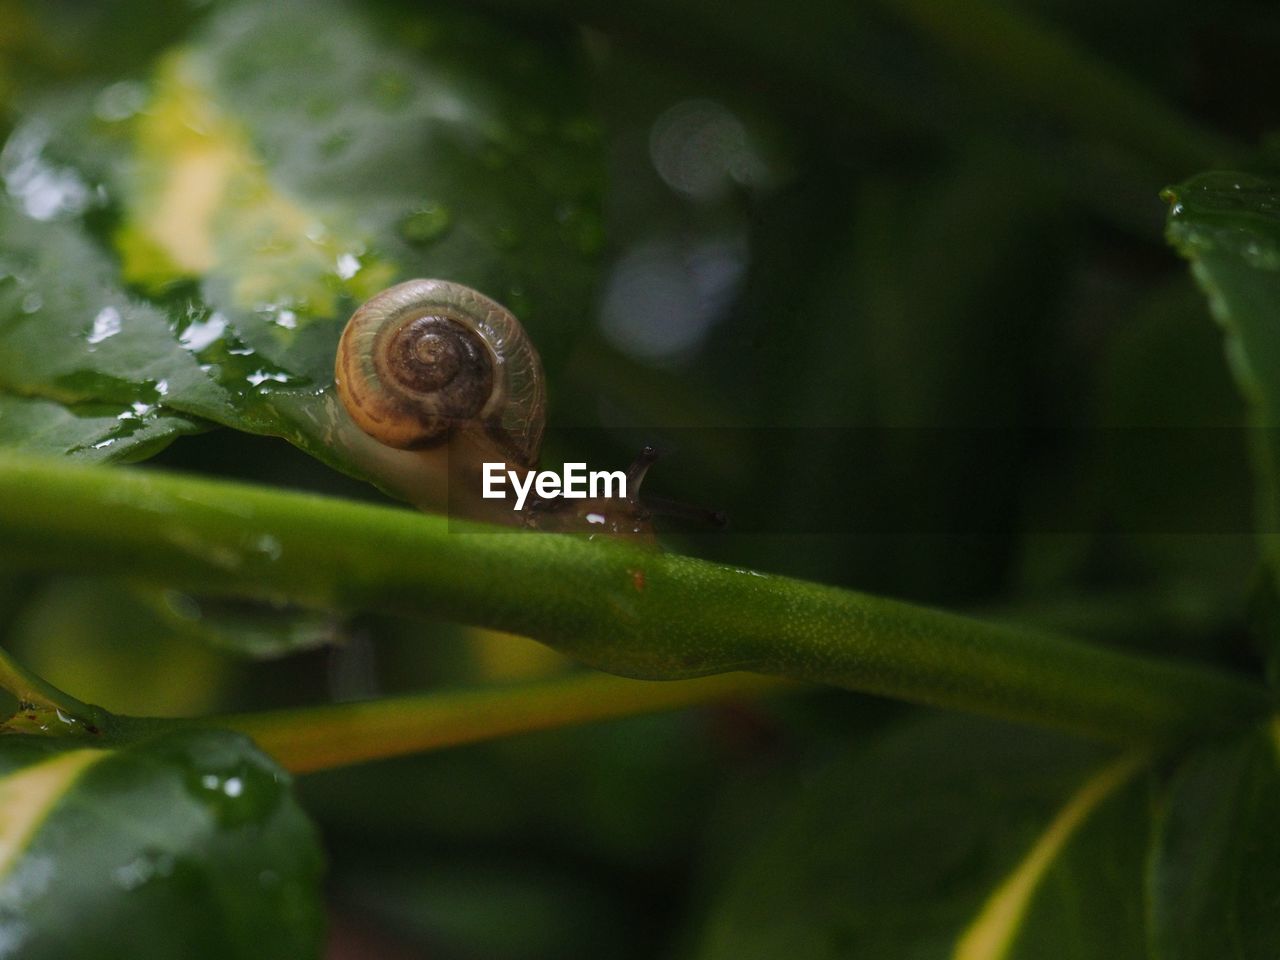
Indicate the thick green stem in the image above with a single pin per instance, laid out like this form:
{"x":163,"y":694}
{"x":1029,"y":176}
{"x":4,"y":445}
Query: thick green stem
{"x":613,"y":605}
{"x":43,"y":708}
{"x":32,"y":690}
{"x":320,"y":738}
{"x":1047,"y":69}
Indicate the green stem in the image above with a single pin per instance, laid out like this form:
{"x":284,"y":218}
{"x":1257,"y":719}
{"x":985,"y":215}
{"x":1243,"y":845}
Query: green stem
{"x":308,"y":739}
{"x":33,"y":691}
{"x":616,"y":606}
{"x":1047,"y":69}
{"x":43,"y":708}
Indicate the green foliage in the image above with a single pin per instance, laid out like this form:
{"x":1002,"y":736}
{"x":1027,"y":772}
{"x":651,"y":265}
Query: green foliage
{"x":189,"y":844}
{"x":1213,"y":865}
{"x":899,"y":264}
{"x":946,"y":838}
{"x":1228,"y":225}
{"x":335,"y":152}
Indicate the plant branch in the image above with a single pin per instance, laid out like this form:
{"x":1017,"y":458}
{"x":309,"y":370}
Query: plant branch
{"x":42,"y":707}
{"x":308,"y":739}
{"x":616,"y":606}
{"x":33,"y":691}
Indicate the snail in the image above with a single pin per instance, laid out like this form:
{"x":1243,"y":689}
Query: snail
{"x":445,"y":379}
{"x":426,"y":358}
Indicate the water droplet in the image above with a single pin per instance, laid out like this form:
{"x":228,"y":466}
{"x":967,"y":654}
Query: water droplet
{"x":105,"y":325}
{"x":32,"y":302}
{"x":1261,"y":255}
{"x":259,"y":377}
{"x":201,"y":333}
{"x":44,"y":190}
{"x":426,"y":224}
{"x":137,"y":411}
{"x":237,"y":795}
{"x":347,"y":266}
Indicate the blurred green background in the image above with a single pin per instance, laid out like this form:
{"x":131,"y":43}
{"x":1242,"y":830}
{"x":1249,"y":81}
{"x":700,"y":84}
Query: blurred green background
{"x":807,"y":230}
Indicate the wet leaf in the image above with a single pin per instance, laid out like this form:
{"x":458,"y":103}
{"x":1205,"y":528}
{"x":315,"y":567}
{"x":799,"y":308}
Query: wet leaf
{"x":1213,"y":876}
{"x":89,"y":431}
{"x":949,"y":838}
{"x":1228,"y":226}
{"x":193,"y":242}
{"x":186,"y":845}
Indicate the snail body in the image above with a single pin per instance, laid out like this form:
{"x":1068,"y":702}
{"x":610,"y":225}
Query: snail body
{"x":440,"y":379}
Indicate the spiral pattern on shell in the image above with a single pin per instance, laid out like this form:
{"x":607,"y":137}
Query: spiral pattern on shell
{"x":427,"y":357}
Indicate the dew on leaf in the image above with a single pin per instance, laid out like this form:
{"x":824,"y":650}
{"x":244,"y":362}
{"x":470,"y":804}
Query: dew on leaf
{"x":240,"y":794}
{"x":348,"y":266}
{"x":43,"y":189}
{"x":137,"y":410}
{"x":259,"y":377}
{"x":201,"y":333}
{"x":105,"y":325}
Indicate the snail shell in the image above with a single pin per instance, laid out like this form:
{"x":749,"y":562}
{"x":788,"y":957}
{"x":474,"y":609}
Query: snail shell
{"x":430,"y":361}
{"x":427,"y":358}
